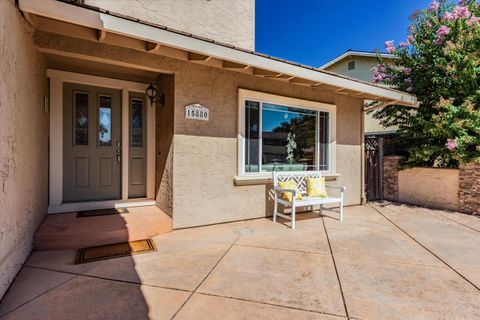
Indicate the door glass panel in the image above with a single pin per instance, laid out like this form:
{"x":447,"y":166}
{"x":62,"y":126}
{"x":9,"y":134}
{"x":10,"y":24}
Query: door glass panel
{"x":80,"y":102}
{"x":105,"y":121}
{"x":252,"y":127}
{"x":136,"y":125}
{"x":323,"y":140}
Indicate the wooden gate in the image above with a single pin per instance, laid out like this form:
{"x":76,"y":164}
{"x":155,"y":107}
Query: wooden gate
{"x":374,"y":168}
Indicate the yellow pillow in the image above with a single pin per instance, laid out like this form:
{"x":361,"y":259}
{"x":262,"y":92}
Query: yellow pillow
{"x":290,"y":184}
{"x":316,"y":187}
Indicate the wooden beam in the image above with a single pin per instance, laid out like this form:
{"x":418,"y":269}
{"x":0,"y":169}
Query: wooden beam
{"x":380,"y":106}
{"x":101,"y":34}
{"x":265,"y":73}
{"x":296,"y":80}
{"x":86,"y":57}
{"x":285,"y":76}
{"x":233,"y":65}
{"x":192,"y":56}
{"x":32,"y":19}
{"x":317,"y":85}
{"x":152,"y":46}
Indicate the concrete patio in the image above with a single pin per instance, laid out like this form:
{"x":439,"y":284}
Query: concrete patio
{"x":385,"y":261}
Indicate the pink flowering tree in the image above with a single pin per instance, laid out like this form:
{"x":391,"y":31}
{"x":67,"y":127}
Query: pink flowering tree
{"x":439,"y":62}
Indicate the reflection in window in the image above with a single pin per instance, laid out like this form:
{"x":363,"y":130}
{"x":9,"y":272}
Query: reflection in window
{"x":292,"y":139}
{"x":288,"y":136}
{"x":105,"y":121}
{"x":136,"y":123}
{"x":323,"y":129}
{"x":252,"y":125}
{"x":81,"y":118}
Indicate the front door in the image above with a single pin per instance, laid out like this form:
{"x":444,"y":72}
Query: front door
{"x":92,"y":143}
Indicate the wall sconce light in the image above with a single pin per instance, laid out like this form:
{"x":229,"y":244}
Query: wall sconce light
{"x":153,"y":95}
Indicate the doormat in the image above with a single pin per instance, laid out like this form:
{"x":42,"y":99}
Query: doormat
{"x":113,"y":251}
{"x":101,"y":212}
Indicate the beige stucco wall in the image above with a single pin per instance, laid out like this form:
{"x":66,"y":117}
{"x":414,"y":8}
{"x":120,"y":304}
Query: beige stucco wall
{"x":362,"y":67}
{"x":205,"y":152}
{"x":231,"y":21}
{"x":164,"y":144}
{"x":361,"y":72}
{"x":23,"y":142}
{"x":431,"y":187}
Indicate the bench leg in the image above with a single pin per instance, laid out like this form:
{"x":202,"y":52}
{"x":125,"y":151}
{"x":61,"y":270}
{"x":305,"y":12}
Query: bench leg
{"x":341,"y":210}
{"x":321,"y":209}
{"x":275,"y":208}
{"x":293,"y":217}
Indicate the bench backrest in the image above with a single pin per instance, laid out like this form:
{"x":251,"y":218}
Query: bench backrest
{"x":300,"y":177}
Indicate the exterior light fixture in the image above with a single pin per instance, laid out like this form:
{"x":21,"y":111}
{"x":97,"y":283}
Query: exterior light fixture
{"x":152,"y":94}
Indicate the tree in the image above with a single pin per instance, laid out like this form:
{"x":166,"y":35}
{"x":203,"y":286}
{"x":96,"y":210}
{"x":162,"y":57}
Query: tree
{"x":440,"y":64}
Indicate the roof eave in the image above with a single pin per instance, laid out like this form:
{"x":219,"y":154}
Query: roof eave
{"x":356,"y":54}
{"x":119,"y":25}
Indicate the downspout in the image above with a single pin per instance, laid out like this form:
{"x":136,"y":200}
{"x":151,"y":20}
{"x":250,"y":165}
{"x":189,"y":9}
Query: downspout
{"x":363,"y":199}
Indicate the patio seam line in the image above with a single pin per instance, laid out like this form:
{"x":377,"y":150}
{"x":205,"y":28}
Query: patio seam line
{"x":272,"y":304}
{"x":280,"y":249}
{"x":38,"y":296}
{"x":433,"y":211}
{"x":111,"y":279}
{"x":368,"y":259}
{"x":423,"y":246}
{"x":207,"y":275}
{"x":462,"y":224}
{"x":15,"y":278}
{"x":336,"y":270}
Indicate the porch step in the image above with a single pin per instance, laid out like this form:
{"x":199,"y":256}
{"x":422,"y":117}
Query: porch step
{"x":66,"y":231}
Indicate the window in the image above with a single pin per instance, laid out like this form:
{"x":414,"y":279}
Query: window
{"x":105,"y":121}
{"x":283,"y":134}
{"x":136,"y":123}
{"x":351,"y":65}
{"x":80,"y":102}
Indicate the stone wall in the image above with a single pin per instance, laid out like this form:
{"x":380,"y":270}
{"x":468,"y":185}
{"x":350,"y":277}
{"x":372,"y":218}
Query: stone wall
{"x":390,"y":177}
{"x":469,"y":198}
{"x":23,"y":141}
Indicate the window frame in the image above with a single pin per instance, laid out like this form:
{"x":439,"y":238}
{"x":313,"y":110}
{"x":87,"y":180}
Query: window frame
{"x":244,"y":95}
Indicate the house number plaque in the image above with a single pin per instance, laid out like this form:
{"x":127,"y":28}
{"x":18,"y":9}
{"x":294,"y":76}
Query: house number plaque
{"x":196,"y":111}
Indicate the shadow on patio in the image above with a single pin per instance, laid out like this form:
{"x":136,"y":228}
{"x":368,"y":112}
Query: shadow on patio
{"x":383,"y":262}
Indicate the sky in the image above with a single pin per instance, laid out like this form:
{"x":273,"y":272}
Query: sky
{"x":313,"y":32}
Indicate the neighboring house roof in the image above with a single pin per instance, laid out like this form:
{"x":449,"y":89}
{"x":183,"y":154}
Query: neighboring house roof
{"x":353,"y":53}
{"x":262,"y":65}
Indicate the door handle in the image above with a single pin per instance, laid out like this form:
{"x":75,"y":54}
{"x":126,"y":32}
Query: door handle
{"x":118,"y":151}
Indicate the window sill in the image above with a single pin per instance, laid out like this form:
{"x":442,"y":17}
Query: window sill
{"x":262,"y":179}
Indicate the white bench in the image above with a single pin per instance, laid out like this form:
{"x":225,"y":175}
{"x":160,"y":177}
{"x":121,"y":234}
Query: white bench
{"x":300,"y":178}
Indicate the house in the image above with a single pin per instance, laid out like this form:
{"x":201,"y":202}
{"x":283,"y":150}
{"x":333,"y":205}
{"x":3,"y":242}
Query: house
{"x":78,"y":130}
{"x":357,"y":64}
